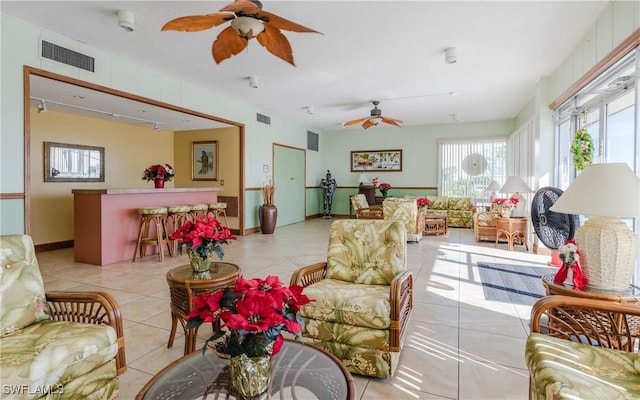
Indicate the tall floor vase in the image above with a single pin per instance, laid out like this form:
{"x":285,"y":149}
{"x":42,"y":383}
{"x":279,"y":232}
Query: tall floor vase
{"x":268,"y":215}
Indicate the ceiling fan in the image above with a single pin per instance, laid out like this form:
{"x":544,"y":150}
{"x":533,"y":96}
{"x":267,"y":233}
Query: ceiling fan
{"x":374,"y":119}
{"x":248,"y":21}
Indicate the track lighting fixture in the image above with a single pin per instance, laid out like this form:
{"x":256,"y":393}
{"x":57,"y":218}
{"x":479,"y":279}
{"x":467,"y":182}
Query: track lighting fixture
{"x":42,"y":107}
{"x":310,"y":110}
{"x":450,"y":55}
{"x":253,"y":82}
{"x":155,"y":127}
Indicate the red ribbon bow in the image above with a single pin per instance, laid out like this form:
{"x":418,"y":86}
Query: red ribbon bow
{"x":579,"y":281}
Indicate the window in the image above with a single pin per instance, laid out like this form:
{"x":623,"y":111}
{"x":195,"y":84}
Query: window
{"x":468,"y":166}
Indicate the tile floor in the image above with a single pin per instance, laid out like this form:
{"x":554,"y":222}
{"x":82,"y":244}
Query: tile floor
{"x":459,"y":345}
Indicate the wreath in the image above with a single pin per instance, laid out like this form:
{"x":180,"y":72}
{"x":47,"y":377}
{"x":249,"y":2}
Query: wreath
{"x":582,"y":149}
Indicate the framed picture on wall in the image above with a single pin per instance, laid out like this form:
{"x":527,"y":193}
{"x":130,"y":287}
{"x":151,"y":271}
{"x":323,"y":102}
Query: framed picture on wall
{"x":204,"y":161}
{"x":376,"y":160}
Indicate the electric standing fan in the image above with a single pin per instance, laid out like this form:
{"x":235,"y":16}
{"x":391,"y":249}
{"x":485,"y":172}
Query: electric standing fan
{"x":554,"y":229}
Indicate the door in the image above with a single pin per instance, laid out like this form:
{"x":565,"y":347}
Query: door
{"x":289,"y":179}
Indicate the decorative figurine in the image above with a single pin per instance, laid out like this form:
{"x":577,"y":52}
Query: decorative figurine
{"x":328,"y":185}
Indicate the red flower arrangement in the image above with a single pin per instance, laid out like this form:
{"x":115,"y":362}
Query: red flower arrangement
{"x":203,"y":236}
{"x":384,"y":188}
{"x":164,"y":172}
{"x":374,"y":181}
{"x":506,"y":203}
{"x":255,"y":311}
{"x":423,"y":202}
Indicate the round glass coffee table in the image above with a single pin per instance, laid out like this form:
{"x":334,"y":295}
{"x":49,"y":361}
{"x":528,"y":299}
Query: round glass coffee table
{"x":300,"y":371}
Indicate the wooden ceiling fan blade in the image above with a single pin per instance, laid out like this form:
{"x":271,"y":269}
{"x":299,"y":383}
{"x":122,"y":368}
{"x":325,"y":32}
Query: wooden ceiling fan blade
{"x":227,"y":44}
{"x":285,"y":24}
{"x":391,"y":121}
{"x":246,"y":6}
{"x":195,"y":23}
{"x":276,"y":43}
{"x":355,"y":121}
{"x":368,"y":124}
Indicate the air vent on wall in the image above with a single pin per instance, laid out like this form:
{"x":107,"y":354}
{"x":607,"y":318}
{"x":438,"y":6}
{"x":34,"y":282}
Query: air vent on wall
{"x":263,"y":118}
{"x":312,"y":141}
{"x":66,"y":56}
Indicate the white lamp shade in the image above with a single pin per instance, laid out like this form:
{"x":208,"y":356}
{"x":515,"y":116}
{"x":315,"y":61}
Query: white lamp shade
{"x":363,"y":178}
{"x":515,"y":184}
{"x":606,"y":190}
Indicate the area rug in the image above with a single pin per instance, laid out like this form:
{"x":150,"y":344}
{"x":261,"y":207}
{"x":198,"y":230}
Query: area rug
{"x":518,"y":284}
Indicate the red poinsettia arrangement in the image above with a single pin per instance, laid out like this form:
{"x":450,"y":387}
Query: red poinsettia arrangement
{"x":254,"y":311}
{"x":506,"y":203}
{"x":153,"y":172}
{"x":384,"y":188}
{"x":204,"y":235}
{"x":423,"y":202}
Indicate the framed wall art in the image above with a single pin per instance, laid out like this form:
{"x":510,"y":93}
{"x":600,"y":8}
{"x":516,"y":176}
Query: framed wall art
{"x":376,"y":160}
{"x":65,"y":162}
{"x":204,"y":161}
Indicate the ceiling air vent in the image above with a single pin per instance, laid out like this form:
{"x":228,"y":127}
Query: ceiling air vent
{"x":66,"y":56}
{"x":263,"y":118}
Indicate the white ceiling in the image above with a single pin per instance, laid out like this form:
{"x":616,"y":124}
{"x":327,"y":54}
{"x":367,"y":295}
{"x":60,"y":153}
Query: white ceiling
{"x":392,"y":51}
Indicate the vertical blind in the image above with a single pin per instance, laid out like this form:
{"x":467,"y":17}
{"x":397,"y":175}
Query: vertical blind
{"x":468,"y":166}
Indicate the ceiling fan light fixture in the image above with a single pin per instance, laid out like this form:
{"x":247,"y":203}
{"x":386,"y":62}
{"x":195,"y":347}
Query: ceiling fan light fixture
{"x":126,"y":20}
{"x":375,"y":120}
{"x":247,"y":27}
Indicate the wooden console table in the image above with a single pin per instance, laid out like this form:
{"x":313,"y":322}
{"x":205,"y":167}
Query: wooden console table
{"x":513,"y":229}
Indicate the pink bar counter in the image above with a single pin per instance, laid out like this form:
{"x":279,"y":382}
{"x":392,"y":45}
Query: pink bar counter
{"x":106,"y":221}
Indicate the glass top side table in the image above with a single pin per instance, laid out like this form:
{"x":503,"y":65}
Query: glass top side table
{"x":182,"y":287}
{"x":299,"y":372}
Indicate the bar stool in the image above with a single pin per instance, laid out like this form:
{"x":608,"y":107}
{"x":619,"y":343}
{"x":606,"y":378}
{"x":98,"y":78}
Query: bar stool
{"x":218,"y":210}
{"x":198,"y":210}
{"x":177,"y":216}
{"x":152,"y":216}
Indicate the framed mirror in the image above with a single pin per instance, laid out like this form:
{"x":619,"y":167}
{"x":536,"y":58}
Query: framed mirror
{"x":73,"y":163}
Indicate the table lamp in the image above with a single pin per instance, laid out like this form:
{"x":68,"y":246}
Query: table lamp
{"x":363,"y":179}
{"x":516,"y":185}
{"x":608,"y":248}
{"x":493,"y":187}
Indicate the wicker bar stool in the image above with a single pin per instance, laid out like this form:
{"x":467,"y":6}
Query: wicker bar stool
{"x":152,"y":216}
{"x":176,"y":217}
{"x":218,"y":210}
{"x":198,"y":210}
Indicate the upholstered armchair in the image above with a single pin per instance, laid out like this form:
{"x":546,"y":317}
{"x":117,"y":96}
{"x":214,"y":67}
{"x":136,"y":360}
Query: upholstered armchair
{"x":583,"y":349}
{"x":57,"y":344}
{"x":484,"y":225}
{"x":362,"y":295}
{"x":406,"y":211}
{"x":363,"y":210}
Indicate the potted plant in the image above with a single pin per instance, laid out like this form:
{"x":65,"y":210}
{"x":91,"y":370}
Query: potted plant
{"x":159,"y":174}
{"x":268,"y":212}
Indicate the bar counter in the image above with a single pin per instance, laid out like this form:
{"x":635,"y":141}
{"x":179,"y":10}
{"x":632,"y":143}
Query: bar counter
{"x":106,"y":221}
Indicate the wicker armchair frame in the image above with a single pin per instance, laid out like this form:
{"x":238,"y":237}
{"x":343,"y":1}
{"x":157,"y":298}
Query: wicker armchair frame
{"x":370,"y":212}
{"x":99,"y":308}
{"x":400,"y":298}
{"x":589,"y":321}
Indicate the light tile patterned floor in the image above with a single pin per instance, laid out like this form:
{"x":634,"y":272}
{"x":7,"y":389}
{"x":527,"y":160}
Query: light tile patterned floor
{"x":459,"y":345}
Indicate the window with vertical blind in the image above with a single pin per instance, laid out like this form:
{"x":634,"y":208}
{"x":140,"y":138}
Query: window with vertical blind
{"x":468,"y":166}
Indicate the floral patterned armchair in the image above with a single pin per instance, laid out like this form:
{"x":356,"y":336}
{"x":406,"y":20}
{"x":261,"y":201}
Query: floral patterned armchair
{"x":406,"y":211}
{"x":362,"y":208}
{"x":59,"y":345}
{"x":362,"y":296}
{"x":583,"y":349}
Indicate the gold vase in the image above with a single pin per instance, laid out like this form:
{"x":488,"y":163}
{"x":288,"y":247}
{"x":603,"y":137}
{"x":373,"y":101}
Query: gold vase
{"x":199,"y":265}
{"x":250,"y":376}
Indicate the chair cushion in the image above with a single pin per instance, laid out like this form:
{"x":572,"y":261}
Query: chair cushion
{"x":486,"y":219}
{"x":439,"y":203}
{"x":460,"y":203}
{"x":561,"y":369}
{"x":348,"y":303}
{"x":370,"y":252}
{"x":22,"y":299}
{"x":359,"y":201}
{"x":52,"y":352}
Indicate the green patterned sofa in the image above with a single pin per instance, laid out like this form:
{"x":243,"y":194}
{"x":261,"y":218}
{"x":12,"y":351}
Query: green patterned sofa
{"x":363,"y":295}
{"x":42,"y":353}
{"x":458,"y":209}
{"x":406,"y":211}
{"x":583,"y":349}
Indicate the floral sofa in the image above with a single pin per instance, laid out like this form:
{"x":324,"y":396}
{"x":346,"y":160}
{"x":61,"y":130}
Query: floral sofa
{"x":459,"y":210}
{"x":406,"y":211}
{"x":362,"y":296}
{"x":583,"y":349}
{"x":42,"y":353}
